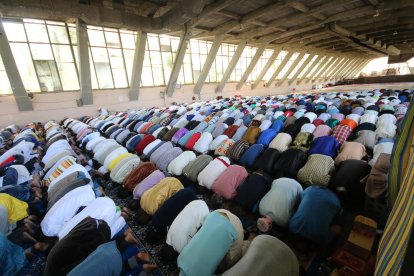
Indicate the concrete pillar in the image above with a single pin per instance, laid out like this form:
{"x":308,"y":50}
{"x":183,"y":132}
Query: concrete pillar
{"x":352,"y":66}
{"x":314,"y":63}
{"x":358,"y":69}
{"x":292,"y":67}
{"x":207,"y":65}
{"x":178,"y":62}
{"x":342,"y":68}
{"x":325,"y":68}
{"x":84,"y":66}
{"x":328,"y":69}
{"x":232,"y":64}
{"x":318,"y":68}
{"x":336,"y":68}
{"x":19,"y":92}
{"x":137,"y":65}
{"x":266,"y":68}
{"x":252,"y":64}
{"x":301,"y":68}
{"x":280,"y":68}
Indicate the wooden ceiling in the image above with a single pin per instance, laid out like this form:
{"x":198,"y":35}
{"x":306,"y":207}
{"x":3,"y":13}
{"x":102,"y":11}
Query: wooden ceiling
{"x":369,"y":28}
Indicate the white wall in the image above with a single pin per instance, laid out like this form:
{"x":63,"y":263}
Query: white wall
{"x":48,"y":106}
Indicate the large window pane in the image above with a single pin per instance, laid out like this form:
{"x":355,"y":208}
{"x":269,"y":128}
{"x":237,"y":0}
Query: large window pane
{"x":25,"y":65}
{"x":68,"y":76}
{"x":48,"y":75}
{"x":128,"y":40}
{"x":118,"y":68}
{"x":15,"y":31}
{"x":112,"y":39}
{"x":36,"y":32}
{"x":96,"y":38}
{"x":129,"y":61}
{"x":58,"y":34}
{"x":62,"y":53}
{"x":5,"y":87}
{"x":41,"y":51}
{"x":102,"y":67}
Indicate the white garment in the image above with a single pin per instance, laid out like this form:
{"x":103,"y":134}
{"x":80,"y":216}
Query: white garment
{"x":203,"y":143}
{"x":311,"y":116}
{"x":310,"y":128}
{"x":281,"y":142}
{"x":151,"y":146}
{"x":280,"y":201}
{"x":212,"y":171}
{"x":177,"y":165}
{"x":386,"y":130}
{"x":23,"y":174}
{"x":217,"y":141}
{"x":94,"y":143}
{"x":186,"y":224}
{"x":65,"y":208}
{"x":57,"y":164}
{"x":369,"y":118}
{"x":387,"y":118}
{"x":101,"y":208}
{"x":385,"y":147}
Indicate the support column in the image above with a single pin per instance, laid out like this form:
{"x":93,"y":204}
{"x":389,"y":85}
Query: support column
{"x":329,"y":67}
{"x":301,"y":68}
{"x":354,"y":68}
{"x":252,"y":64}
{"x":182,"y":47}
{"x":314,"y":63}
{"x":358,"y":70}
{"x":266,"y":68}
{"x":292,"y":67}
{"x":232,"y":64}
{"x":336,"y":68}
{"x":322,"y":70}
{"x":84,"y":66}
{"x":19,"y":92}
{"x":349,"y":69}
{"x":280,"y":68}
{"x":137,"y":65}
{"x":207,"y":65}
{"x":343,"y":68}
{"x":318,"y":68}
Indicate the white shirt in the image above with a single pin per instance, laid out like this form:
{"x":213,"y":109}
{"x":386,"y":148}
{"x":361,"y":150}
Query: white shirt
{"x":65,"y":208}
{"x":177,"y":165}
{"x":186,"y":224}
{"x":212,"y":171}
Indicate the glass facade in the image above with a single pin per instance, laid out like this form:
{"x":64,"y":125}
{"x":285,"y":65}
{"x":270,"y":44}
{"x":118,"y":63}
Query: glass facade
{"x":47,"y":59}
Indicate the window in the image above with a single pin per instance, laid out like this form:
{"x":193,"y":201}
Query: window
{"x":242,"y":64}
{"x":5,"y":87}
{"x":298,"y":66}
{"x":308,"y":66}
{"x":275,"y":65}
{"x":260,"y":65}
{"x":43,"y":54}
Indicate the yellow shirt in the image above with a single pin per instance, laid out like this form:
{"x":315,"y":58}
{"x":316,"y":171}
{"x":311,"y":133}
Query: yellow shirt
{"x":153,"y":198}
{"x":17,"y":209}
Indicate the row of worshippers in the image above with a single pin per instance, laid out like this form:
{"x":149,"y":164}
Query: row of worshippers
{"x":127,"y":169}
{"x":118,"y":127}
{"x":51,"y":203}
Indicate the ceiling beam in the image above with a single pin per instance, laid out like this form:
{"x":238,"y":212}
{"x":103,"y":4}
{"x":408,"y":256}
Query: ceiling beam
{"x":361,"y":40}
{"x":227,"y":26}
{"x":210,"y":9}
{"x":181,"y":13}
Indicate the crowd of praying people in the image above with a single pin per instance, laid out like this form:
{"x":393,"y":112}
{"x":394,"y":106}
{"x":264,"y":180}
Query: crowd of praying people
{"x":219,"y":183}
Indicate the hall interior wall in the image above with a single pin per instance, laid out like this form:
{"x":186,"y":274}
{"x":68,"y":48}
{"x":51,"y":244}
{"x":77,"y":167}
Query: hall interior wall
{"x":58,"y":105}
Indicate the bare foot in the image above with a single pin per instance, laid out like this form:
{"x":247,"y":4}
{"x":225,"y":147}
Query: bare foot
{"x":130,"y":238}
{"x":129,"y":230}
{"x":41,"y":246}
{"x":144,"y":257}
{"x":29,"y":238}
{"x":29,"y":255}
{"x":128,"y":211}
{"x":125,"y":215}
{"x":148,"y":268}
